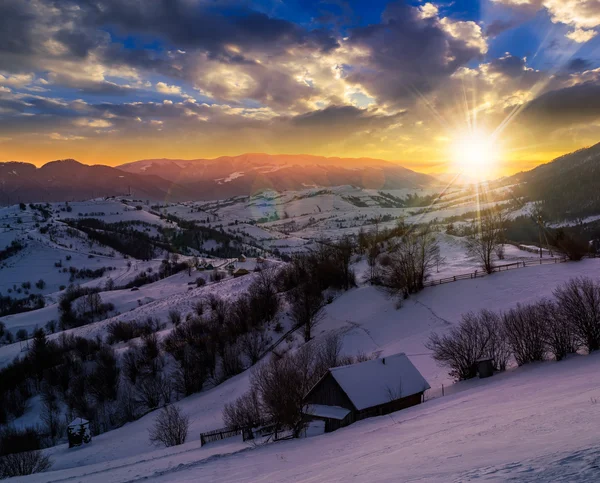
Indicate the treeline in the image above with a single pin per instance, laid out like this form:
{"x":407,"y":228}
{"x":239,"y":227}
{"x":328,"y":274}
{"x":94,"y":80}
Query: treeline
{"x":80,"y":306}
{"x":309,"y":274}
{"x":192,"y":235}
{"x":535,"y":332}
{"x":12,"y":249}
{"x":120,"y":236}
{"x":10,"y":305}
{"x":570,"y":240}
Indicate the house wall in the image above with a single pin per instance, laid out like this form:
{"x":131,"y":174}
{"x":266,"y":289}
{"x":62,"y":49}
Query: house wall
{"x":329,"y":393}
{"x":389,"y":407}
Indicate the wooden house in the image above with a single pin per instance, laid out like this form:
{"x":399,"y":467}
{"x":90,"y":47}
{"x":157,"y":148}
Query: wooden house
{"x":350,"y":393}
{"x":240,"y":272}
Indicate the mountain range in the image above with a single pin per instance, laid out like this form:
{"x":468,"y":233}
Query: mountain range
{"x":199,"y":179}
{"x":568,"y":186}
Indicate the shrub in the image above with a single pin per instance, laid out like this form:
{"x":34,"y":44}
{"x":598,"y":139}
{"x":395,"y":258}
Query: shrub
{"x":22,"y":334}
{"x":175,"y":317}
{"x":21,"y":464}
{"x":170,"y":427}
{"x":19,"y":453}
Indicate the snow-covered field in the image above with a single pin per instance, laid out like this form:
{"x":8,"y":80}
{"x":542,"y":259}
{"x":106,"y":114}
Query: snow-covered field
{"x":517,"y":425}
{"x":529,"y":424}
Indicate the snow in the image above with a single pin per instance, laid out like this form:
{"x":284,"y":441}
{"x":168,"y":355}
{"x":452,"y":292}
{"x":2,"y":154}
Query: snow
{"x":379,"y":381}
{"x":515,"y":426}
{"x":323,"y":411}
{"x":528,"y":425}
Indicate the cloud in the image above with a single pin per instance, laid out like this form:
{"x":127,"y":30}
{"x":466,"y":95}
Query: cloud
{"x":577,"y":104}
{"x":411,"y":52}
{"x":582,"y":15}
{"x":64,"y":137}
{"x":578,"y":64}
{"x":581,"y":36}
{"x":168,"y":89}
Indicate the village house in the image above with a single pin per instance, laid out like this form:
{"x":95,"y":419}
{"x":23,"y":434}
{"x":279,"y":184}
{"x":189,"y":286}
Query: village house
{"x":350,"y":393}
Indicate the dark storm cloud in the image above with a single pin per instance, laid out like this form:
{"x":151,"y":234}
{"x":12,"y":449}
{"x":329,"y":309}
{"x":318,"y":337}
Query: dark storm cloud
{"x":508,"y":66}
{"x":563,"y":107}
{"x":499,"y":26}
{"x":578,"y":64}
{"x":408,"y":54}
{"x":344,"y":117}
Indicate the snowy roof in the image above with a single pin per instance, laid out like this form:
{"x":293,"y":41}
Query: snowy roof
{"x":379,"y":381}
{"x":78,"y":422}
{"x":332,"y":412}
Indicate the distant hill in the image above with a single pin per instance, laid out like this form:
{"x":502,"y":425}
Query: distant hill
{"x":245,"y":174}
{"x":569,"y":186}
{"x":68,"y":180}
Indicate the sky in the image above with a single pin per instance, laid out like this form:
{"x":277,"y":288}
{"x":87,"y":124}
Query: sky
{"x":113,"y":81}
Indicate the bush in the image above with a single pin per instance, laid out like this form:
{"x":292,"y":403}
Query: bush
{"x":22,"y":334}
{"x":200,"y":282}
{"x":170,"y":427}
{"x":19,"y":453}
{"x":244,"y":412}
{"x":175,"y":317}
{"x":21,"y":464}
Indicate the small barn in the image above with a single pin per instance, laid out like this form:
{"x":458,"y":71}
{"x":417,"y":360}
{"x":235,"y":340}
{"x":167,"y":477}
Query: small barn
{"x":373,"y":388}
{"x":78,"y":432}
{"x":242,"y":258}
{"x":240,"y":272}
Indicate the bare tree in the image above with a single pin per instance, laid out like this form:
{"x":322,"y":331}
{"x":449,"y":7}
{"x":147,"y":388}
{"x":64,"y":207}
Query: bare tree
{"x":461,"y":347}
{"x":372,"y":255}
{"x":487,"y":235}
{"x":170,"y":427}
{"x":254,"y":344}
{"x":497,"y":347}
{"x":525,"y":331}
{"x":244,"y":412}
{"x":559,"y":336}
{"x":579,"y":302}
{"x":412,"y":259}
{"x":306,"y":306}
{"x":51,"y":412}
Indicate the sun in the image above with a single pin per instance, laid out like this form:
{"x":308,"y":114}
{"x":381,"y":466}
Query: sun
{"x":475,"y":154}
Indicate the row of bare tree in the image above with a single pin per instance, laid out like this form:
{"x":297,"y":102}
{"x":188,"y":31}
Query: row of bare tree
{"x":529,"y":333}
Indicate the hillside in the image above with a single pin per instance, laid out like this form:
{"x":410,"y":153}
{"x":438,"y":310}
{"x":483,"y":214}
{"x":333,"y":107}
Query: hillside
{"x":471,"y":433}
{"x":568,"y":186}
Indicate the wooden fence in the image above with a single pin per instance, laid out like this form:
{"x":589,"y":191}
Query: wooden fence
{"x":497,"y":268}
{"x":218,"y":435}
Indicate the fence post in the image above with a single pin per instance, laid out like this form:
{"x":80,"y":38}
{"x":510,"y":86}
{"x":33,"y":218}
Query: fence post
{"x":442,"y":390}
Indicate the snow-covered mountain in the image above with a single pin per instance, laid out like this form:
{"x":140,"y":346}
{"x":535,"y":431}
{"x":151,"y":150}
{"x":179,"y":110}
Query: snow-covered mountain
{"x":248,"y":173}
